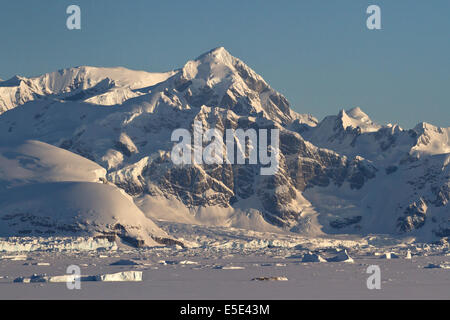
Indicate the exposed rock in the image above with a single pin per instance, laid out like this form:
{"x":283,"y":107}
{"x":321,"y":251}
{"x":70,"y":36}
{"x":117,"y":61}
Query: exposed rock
{"x":414,"y":217}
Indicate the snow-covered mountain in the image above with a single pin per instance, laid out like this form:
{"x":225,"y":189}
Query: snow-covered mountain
{"x":353,"y":133}
{"x":345,"y":174}
{"x":103,"y":86}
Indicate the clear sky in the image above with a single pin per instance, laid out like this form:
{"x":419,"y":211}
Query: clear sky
{"x":318,"y":53}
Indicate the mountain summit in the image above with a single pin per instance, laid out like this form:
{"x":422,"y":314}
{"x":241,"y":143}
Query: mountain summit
{"x":218,"y":79}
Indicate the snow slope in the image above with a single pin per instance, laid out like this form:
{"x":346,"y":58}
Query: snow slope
{"x":36,"y":162}
{"x":73,"y":208}
{"x":45,"y":190}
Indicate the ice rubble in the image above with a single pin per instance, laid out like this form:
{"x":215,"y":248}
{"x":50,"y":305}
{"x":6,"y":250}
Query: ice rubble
{"x":27,"y":244}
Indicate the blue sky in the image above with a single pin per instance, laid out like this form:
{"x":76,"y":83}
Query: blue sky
{"x":318,"y":53}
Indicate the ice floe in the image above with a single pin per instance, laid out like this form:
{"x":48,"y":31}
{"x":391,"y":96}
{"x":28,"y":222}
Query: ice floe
{"x":27,"y":244}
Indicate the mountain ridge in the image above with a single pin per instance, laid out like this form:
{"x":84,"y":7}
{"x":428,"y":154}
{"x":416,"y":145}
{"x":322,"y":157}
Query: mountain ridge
{"x":331,"y":176}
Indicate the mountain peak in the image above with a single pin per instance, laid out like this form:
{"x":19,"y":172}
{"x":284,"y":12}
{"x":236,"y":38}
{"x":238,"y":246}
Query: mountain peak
{"x":218,"y":69}
{"x":355,"y":118}
{"x":357,"y":113}
{"x":219,"y":53}
{"x":421,"y":126}
{"x":13,"y":82}
{"x":224,"y":81}
{"x":217,"y":59}
{"x":431,"y":139}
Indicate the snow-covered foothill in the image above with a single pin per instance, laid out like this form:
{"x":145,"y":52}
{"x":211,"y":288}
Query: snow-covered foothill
{"x":34,"y":161}
{"x":56,"y":209}
{"x":49,"y":191}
